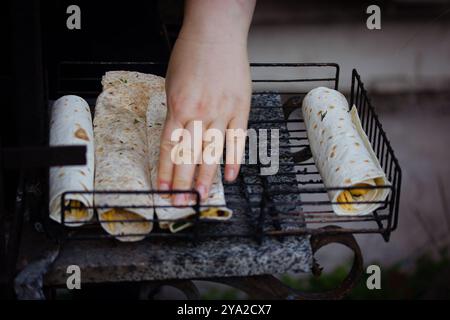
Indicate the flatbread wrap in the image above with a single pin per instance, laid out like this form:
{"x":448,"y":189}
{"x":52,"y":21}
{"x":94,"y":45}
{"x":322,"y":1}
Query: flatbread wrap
{"x":122,"y":156}
{"x":343,"y":154}
{"x":71,"y":124}
{"x":214,"y":208}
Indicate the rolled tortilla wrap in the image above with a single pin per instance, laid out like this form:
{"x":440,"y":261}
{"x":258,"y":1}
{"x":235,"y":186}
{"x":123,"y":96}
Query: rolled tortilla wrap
{"x":71,"y":124}
{"x":214,"y":208}
{"x":342,"y":153}
{"x":122,"y":156}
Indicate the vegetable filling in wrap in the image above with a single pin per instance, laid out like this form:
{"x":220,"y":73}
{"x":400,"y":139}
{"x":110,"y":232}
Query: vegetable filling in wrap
{"x":343,"y":154}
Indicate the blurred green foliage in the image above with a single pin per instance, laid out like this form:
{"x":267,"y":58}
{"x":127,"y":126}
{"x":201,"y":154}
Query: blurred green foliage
{"x":428,"y":279}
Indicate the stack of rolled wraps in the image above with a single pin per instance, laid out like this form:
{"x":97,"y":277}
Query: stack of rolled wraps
{"x":129,"y":116}
{"x":343,"y":154}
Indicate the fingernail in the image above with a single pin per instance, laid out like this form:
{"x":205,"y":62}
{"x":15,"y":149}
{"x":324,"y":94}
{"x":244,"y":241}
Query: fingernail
{"x":203,"y":192}
{"x":180,"y":199}
{"x":230,"y":174}
{"x":164,"y":186}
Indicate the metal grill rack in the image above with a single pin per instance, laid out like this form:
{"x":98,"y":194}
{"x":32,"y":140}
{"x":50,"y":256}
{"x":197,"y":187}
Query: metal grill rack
{"x":294,"y":201}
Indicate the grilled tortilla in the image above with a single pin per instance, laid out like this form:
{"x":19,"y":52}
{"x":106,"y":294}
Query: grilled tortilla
{"x":122,"y":155}
{"x":71,"y":124}
{"x":343,"y":154}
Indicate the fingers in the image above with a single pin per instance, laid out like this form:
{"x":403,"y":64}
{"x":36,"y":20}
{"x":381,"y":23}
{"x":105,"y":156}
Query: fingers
{"x":235,"y":143}
{"x":207,"y":173}
{"x":186,"y":143}
{"x":190,"y":151}
{"x":213,"y":142}
{"x":165,"y":164}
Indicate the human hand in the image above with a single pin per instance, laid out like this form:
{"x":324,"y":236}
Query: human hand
{"x":208,"y":80}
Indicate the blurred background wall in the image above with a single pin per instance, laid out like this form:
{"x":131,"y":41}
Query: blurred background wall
{"x":411,"y":52}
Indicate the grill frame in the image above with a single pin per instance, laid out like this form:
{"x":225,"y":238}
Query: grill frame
{"x":70,"y":75}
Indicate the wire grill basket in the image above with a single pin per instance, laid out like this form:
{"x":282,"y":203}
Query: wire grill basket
{"x":294,"y":201}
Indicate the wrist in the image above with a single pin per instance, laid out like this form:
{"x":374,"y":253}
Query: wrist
{"x":217,"y":21}
{"x":212,"y":36}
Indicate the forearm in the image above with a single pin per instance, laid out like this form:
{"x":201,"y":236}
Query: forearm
{"x":217,"y":21}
